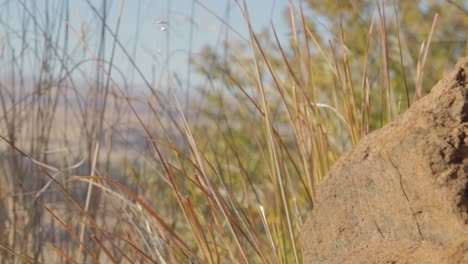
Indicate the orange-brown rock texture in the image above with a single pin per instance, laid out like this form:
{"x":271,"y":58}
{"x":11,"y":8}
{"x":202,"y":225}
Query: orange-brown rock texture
{"x":401,"y":196}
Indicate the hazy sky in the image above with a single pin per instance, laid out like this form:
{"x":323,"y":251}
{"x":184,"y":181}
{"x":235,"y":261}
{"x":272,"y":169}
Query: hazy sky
{"x":154,"y":32}
{"x":158,"y":31}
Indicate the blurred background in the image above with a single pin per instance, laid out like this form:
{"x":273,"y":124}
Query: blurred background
{"x":196,"y":131}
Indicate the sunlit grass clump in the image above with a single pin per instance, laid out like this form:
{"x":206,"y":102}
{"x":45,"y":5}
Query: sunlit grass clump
{"x":227,"y":177}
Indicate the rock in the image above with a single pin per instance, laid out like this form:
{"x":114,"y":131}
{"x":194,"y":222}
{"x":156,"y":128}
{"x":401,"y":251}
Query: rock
{"x":401,"y":196}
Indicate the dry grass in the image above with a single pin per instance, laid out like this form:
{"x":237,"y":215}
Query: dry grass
{"x":232,"y":185}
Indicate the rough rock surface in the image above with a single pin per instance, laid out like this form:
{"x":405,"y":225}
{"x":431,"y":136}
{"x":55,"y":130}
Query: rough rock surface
{"x":401,"y":196}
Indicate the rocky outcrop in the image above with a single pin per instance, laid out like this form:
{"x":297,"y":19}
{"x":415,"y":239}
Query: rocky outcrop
{"x":401,"y":196}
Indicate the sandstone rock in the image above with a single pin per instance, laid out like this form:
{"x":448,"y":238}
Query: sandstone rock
{"x":401,"y":196}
